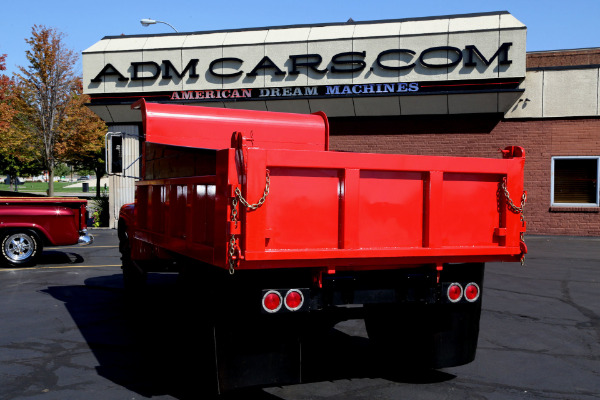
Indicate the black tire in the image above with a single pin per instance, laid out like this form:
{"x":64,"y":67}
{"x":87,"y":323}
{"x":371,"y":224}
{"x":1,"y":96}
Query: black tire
{"x":134,"y":279}
{"x":20,"y":247}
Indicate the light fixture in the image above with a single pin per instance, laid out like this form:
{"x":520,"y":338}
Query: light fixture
{"x":150,"y":21}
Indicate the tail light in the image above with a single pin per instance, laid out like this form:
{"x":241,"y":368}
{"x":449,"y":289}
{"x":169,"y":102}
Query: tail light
{"x":272,"y":301}
{"x":294,"y":300}
{"x":472,"y":292}
{"x":455,"y":292}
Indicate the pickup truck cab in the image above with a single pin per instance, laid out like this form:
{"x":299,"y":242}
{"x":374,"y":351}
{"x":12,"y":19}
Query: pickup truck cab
{"x":27,"y":224}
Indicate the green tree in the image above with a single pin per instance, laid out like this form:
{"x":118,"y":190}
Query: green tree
{"x":83,"y":138}
{"x":62,"y":170}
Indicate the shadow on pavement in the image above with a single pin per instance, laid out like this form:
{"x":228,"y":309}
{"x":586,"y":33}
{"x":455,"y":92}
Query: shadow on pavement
{"x":152,"y":345}
{"x":61,"y":257}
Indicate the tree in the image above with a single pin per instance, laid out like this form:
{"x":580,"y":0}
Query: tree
{"x":82,"y":138}
{"x":47,"y":88}
{"x":62,"y":170}
{"x":7,"y":111}
{"x":18,"y":152}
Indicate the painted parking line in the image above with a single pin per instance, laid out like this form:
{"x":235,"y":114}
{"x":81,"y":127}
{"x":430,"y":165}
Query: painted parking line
{"x":77,"y":247}
{"x":57,"y":267}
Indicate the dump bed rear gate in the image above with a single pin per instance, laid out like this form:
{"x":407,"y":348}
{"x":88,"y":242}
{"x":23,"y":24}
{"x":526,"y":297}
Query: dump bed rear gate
{"x":359,"y":209}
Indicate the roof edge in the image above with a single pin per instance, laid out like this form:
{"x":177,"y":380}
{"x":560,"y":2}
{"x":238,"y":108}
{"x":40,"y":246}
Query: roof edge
{"x":316,"y":25}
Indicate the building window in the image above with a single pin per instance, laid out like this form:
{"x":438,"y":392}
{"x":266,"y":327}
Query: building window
{"x":575,"y":181}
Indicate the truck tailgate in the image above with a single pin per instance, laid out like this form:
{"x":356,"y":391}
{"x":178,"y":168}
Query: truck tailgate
{"x":361,"y":209}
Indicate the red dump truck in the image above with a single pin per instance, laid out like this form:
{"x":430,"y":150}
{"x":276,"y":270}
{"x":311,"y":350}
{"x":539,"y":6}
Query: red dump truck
{"x":276,"y":236}
{"x":29,"y":223}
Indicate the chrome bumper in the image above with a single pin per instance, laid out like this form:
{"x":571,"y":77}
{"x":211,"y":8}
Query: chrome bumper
{"x":85,"y":238}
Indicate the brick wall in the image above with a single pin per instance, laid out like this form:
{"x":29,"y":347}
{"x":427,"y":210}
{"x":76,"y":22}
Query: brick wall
{"x":563,"y":58}
{"x":482,"y":136}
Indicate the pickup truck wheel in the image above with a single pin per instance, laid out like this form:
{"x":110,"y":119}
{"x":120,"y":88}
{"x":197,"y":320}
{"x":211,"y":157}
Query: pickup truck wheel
{"x":20,"y":248}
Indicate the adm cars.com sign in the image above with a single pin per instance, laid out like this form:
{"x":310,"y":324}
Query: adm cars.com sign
{"x":342,"y":63}
{"x":399,"y":61}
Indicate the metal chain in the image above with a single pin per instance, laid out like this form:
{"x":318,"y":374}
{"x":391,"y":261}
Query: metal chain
{"x":232,"y":255}
{"x":234,"y":215}
{"x":511,"y":204}
{"x":234,"y":211}
{"x":517,"y":210}
{"x":262,"y":200}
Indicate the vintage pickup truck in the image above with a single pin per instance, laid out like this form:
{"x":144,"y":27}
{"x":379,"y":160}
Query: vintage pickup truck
{"x":29,"y":223}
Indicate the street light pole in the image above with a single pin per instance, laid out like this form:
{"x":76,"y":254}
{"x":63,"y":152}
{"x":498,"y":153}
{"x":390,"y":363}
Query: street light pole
{"x":149,"y":21}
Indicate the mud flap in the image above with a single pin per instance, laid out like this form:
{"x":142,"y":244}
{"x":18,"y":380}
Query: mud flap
{"x":253,"y":353}
{"x":429,"y":335}
{"x":457,"y":343}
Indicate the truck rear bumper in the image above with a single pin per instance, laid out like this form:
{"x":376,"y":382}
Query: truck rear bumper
{"x":85,"y":238}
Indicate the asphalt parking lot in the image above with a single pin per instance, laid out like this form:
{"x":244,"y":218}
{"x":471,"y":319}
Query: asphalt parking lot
{"x":67,"y":333}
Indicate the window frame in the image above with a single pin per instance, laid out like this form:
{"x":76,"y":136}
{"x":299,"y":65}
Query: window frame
{"x":552,"y":170}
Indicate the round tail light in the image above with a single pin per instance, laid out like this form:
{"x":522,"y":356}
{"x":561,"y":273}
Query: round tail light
{"x":455,"y":292}
{"x":472,"y":292}
{"x":294,"y":299}
{"x":272,"y":301}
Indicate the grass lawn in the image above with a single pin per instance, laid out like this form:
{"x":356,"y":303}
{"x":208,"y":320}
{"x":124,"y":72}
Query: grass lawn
{"x":42,"y":187}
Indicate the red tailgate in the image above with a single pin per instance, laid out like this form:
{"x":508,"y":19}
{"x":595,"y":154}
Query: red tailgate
{"x":326,"y":208}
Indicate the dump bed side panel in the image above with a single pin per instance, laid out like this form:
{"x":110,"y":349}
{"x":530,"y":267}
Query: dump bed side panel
{"x":178,"y":215}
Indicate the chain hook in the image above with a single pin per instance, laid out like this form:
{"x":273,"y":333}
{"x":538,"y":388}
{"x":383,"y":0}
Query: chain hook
{"x":517,"y":210}
{"x":232,"y":255}
{"x":233,"y":249}
{"x":261,"y":201}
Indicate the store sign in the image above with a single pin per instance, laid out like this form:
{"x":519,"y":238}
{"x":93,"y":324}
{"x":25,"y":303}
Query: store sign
{"x":322,"y":91}
{"x":298,"y":91}
{"x":343,"y":63}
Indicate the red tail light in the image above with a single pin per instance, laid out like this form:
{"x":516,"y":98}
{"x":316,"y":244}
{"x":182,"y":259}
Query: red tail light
{"x":272,"y":301}
{"x":294,"y":299}
{"x":472,"y":292}
{"x":455,"y":292}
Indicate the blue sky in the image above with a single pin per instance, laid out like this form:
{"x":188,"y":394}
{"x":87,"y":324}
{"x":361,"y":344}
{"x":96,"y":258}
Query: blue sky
{"x":552,"y":24}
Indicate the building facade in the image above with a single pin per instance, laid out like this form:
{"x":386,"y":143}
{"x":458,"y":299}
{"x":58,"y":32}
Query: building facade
{"x":451,"y":85}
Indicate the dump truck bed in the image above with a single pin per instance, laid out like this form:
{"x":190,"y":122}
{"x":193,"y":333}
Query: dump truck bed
{"x":338,"y":210}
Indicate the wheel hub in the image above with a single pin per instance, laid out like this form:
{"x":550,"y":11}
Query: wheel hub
{"x":18,"y":247}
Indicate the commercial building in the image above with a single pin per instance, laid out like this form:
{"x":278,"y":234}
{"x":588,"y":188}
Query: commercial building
{"x":447,"y":85}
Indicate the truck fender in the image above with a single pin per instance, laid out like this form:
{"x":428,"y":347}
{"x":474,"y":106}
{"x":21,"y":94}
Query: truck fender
{"x":43,"y":234}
